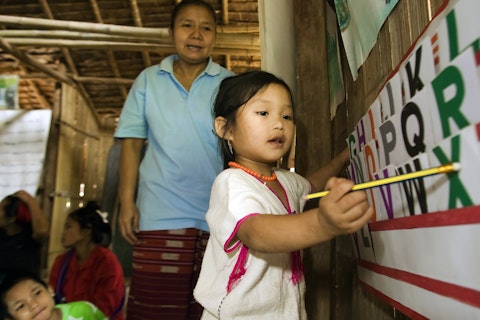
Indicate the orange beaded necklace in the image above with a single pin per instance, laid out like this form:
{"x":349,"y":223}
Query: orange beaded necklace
{"x":273,"y":177}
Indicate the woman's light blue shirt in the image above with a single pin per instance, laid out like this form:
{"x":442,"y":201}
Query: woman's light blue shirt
{"x":182,"y":157}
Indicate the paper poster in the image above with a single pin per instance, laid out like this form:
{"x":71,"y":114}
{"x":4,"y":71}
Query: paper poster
{"x":420,"y":251}
{"x":427,"y":265}
{"x":388,"y":198}
{"x":9,"y":92}
{"x":416,"y":193}
{"x":23,"y":142}
{"x":458,"y":189}
{"x":360,"y":22}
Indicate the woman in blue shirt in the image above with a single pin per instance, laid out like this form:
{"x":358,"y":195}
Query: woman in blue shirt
{"x":170,"y":107}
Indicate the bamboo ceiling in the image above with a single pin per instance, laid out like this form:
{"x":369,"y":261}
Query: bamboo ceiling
{"x":100,"y":46}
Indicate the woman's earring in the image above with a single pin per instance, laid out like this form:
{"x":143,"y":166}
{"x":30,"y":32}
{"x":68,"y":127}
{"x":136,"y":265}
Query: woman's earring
{"x":230,"y":147}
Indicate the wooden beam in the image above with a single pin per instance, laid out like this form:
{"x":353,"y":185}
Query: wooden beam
{"x":238,"y":29}
{"x":69,"y":61}
{"x":110,"y":56}
{"x":73,"y":35}
{"x":225,"y":40}
{"x":80,"y":79}
{"x":83,"y":26}
{"x":237,"y":49}
{"x":86,"y":134}
{"x":137,"y":19}
{"x":225,"y":21}
{"x":100,"y":80}
{"x":110,"y":29}
{"x":25,"y":58}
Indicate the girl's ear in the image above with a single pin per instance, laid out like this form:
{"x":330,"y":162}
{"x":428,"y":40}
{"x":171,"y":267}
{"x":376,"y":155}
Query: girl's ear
{"x":221,"y":128}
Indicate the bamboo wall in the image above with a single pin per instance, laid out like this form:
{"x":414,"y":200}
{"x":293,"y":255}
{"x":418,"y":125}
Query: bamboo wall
{"x":82,"y":149}
{"x":332,"y":288}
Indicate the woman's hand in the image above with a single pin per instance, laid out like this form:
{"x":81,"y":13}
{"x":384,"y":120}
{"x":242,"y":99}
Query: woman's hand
{"x":128,"y":222}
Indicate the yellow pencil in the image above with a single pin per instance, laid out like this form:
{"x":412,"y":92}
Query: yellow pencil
{"x":407,"y":176}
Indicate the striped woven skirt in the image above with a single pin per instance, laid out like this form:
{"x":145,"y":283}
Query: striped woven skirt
{"x":166,"y":265}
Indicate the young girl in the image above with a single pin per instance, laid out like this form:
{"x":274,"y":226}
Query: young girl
{"x":25,"y":296}
{"x":89,"y":271}
{"x":252,"y":267}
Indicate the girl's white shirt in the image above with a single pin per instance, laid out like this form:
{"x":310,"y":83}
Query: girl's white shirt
{"x":266,"y":289}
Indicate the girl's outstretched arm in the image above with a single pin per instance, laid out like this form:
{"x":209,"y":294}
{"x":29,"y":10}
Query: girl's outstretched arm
{"x":339,"y":212}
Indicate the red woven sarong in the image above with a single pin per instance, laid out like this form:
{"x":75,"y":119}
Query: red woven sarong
{"x":166,"y":265}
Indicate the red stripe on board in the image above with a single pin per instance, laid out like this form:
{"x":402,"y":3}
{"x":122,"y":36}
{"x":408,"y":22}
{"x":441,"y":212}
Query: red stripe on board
{"x":462,"y":294}
{"x":467,"y":215}
{"x":394,"y":303}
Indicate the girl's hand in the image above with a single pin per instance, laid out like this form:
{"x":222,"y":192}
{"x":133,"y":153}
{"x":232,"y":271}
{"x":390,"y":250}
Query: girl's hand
{"x":342,"y":211}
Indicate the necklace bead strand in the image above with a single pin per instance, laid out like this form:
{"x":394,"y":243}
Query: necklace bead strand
{"x":273,"y":177}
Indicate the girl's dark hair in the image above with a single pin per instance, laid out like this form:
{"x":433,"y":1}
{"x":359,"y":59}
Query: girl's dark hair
{"x":89,"y":217}
{"x":237,"y":90}
{"x":186,"y":3}
{"x":10,"y":280}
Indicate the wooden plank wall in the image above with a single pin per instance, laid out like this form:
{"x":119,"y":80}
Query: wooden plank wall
{"x":313,"y":146}
{"x":332,"y":288}
{"x":82,"y":148}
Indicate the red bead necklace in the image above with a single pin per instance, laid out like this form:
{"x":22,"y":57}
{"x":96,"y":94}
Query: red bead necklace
{"x":273,"y":177}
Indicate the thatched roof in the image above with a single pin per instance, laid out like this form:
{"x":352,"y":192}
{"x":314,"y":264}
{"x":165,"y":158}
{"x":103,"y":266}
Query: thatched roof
{"x":100,"y":46}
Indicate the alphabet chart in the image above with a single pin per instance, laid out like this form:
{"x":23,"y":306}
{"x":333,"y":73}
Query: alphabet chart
{"x":419,"y":252}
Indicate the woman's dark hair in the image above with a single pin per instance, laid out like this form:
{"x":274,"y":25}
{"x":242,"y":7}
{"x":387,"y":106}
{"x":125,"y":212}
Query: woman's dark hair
{"x":237,"y":90}
{"x":90,"y":217}
{"x":186,"y":3}
{"x":10,"y":280}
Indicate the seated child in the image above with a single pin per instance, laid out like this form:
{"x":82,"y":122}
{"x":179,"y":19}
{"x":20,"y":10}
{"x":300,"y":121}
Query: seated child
{"x":89,"y":270}
{"x":24,"y":228}
{"x":26,"y":296}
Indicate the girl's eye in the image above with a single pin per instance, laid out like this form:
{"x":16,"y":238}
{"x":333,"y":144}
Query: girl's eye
{"x":288,"y":117}
{"x":19,"y":307}
{"x":262,"y":113}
